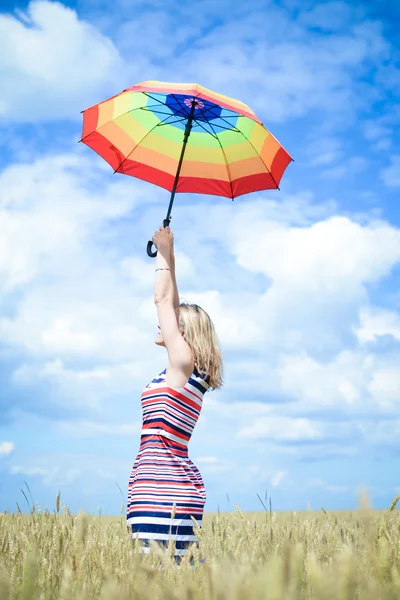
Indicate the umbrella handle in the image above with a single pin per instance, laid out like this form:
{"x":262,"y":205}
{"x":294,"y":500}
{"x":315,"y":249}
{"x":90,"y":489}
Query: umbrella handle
{"x":149,"y":251}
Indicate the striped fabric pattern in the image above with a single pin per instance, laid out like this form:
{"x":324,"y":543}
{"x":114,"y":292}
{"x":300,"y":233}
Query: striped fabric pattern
{"x":163,"y":474}
{"x":229,"y":152}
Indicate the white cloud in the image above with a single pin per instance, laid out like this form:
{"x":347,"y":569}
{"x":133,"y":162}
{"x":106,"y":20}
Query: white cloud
{"x":277,"y":478}
{"x":272,"y":57}
{"x":86,"y":429}
{"x":375,"y":130}
{"x":317,"y":269}
{"x":312,"y":401}
{"x":323,"y":257}
{"x":281,"y":429}
{"x":213,"y":464}
{"x":329,"y":16}
{"x":325,"y":150}
{"x":18,"y":470}
{"x":336,"y":383}
{"x":329,"y":487}
{"x":391,"y":174}
{"x":87,"y":389}
{"x":381,"y":432}
{"x":385,"y":386}
{"x":348,"y":168}
{"x":383,"y":144}
{"x":85,"y":329}
{"x":78,"y":470}
{"x":137,"y":270}
{"x":376,"y":322}
{"x":53,"y":65}
{"x":51,"y":218}
{"x":352,"y":380}
{"x":50,"y":474}
{"x":48,"y":208}
{"x":319,"y":276}
{"x":259,"y":475}
{"x":6,"y":448}
{"x":230,"y":313}
{"x":210,"y":460}
{"x":380,"y":130}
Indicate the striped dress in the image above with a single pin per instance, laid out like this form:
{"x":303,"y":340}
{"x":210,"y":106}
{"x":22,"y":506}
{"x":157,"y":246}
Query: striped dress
{"x":163,"y":473}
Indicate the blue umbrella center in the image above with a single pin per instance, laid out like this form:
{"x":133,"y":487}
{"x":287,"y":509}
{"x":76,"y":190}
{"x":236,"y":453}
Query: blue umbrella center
{"x":181,"y":105}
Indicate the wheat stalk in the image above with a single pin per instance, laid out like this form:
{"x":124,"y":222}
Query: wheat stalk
{"x":395,"y":501}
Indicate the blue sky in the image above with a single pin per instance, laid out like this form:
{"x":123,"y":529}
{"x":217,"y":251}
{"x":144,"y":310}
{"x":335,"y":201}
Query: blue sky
{"x":302,"y":283}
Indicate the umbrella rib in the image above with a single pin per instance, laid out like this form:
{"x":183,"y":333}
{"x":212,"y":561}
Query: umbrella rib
{"x":163,"y":103}
{"x":152,"y":97}
{"x":110,"y":121}
{"x":235,"y":116}
{"x":152,"y":107}
{"x":131,"y":111}
{"x":173,"y":122}
{"x":164,"y":122}
{"x":215,"y":125}
{"x":133,"y":149}
{"x":208,"y":123}
{"x":184,"y":108}
{"x":230,"y":128}
{"x":214,"y":105}
{"x":180,"y":104}
{"x":145,"y":108}
{"x":210,"y":108}
{"x":198,"y":123}
{"x":225,"y":159}
{"x":230,"y":125}
{"x":180,"y":119}
{"x":258,"y":154}
{"x":226,"y":128}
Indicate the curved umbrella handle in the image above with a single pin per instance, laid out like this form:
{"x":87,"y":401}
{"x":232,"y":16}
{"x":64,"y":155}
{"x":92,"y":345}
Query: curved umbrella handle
{"x":150,"y":253}
{"x":149,"y":250}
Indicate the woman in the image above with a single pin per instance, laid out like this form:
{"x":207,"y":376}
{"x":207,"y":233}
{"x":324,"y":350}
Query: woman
{"x":165,"y":488}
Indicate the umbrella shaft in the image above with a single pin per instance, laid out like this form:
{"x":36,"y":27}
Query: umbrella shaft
{"x":188,"y":129}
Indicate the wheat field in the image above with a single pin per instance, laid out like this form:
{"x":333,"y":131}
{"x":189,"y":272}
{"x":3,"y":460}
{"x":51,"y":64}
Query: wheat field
{"x":248,"y":556}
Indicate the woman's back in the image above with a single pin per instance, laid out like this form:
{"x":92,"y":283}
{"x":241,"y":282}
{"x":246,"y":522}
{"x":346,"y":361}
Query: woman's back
{"x":174,"y":411}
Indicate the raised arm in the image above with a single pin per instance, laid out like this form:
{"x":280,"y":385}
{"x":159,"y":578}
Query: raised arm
{"x":176,"y":294}
{"x":165,"y":296}
{"x":164,"y":286}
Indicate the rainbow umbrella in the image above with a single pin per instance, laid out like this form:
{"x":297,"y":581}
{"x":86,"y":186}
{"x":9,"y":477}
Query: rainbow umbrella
{"x":185,"y":138}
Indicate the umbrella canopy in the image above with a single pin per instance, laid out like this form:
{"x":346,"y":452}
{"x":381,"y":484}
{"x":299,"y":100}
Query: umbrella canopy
{"x":227,"y":150}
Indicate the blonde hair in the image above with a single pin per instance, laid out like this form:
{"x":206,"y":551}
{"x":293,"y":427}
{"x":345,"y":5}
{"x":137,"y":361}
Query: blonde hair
{"x":203,"y":341}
